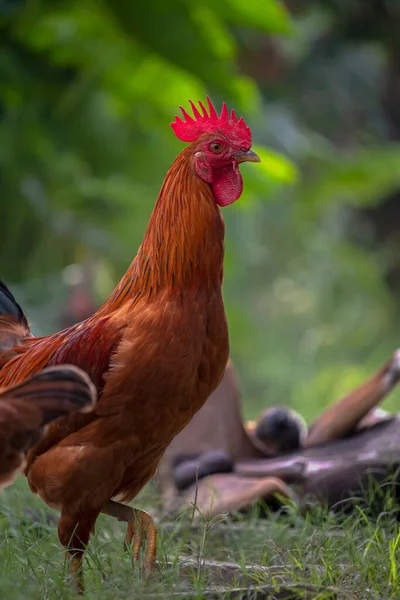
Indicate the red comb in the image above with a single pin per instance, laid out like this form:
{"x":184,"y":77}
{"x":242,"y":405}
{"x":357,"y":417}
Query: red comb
{"x":189,"y":129}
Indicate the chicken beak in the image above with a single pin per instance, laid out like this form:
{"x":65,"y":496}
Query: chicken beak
{"x":248,"y":156}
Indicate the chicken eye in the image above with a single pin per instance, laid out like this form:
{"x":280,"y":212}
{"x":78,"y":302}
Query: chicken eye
{"x":216,"y":147}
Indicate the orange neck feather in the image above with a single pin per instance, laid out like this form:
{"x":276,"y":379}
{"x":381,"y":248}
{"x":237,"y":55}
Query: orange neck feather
{"x":183,"y":247}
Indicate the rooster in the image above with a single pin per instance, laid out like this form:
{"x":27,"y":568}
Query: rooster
{"x":155,"y":350}
{"x":28,"y":407}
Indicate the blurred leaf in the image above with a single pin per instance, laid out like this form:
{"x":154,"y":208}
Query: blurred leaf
{"x":276,"y":166}
{"x":269,"y":15}
{"x":360,"y":179}
{"x":182,"y":34}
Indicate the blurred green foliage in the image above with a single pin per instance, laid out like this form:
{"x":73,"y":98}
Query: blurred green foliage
{"x":87,"y":90}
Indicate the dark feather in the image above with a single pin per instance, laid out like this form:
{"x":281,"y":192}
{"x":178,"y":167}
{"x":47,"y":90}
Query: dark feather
{"x":9,"y":306}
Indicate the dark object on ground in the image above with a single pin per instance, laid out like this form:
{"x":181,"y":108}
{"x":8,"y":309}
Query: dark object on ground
{"x":207,"y":463}
{"x":279,"y":429}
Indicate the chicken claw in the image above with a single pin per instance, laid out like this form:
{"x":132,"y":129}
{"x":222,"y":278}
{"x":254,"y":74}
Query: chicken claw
{"x":141,"y":527}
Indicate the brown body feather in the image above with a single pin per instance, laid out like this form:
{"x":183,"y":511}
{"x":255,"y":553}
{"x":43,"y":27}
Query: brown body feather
{"x":155,"y":350}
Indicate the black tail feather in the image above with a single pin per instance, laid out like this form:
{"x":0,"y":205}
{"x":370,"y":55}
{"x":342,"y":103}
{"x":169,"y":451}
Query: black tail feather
{"x":9,"y":306}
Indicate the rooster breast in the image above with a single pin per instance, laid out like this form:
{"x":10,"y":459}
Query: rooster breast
{"x":172,"y":356}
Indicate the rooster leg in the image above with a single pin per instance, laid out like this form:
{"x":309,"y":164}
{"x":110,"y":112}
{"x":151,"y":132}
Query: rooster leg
{"x":342,"y":418}
{"x":74,"y":534}
{"x":141,"y":527}
{"x":75,"y":570}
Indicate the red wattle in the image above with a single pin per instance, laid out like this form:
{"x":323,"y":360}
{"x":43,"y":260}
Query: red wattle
{"x":227,"y":185}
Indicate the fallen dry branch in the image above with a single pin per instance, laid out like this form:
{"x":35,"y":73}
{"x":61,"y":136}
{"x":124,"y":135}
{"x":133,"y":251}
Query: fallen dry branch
{"x":336,"y":469}
{"x":230,"y":580}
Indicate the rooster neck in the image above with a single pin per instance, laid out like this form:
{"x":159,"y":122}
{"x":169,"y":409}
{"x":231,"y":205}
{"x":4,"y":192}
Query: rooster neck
{"x":183,"y":247}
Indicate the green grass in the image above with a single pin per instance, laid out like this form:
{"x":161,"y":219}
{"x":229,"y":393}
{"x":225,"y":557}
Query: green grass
{"x":356,"y":555}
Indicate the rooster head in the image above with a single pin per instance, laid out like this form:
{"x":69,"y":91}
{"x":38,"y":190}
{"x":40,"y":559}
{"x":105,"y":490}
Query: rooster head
{"x":220,"y":144}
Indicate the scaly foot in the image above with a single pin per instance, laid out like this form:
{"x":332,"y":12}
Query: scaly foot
{"x":141,"y":528}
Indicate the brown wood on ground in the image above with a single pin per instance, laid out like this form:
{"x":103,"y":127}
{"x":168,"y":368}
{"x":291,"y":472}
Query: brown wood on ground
{"x":330,"y":467}
{"x":225,"y":493}
{"x":336,"y":470}
{"x":227,"y":579}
